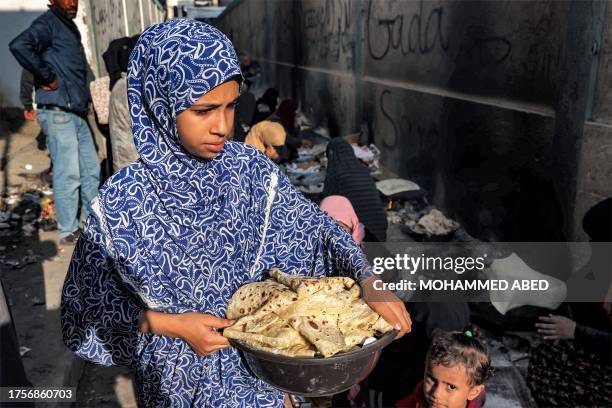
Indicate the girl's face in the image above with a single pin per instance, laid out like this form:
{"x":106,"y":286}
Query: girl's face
{"x":448,"y":387}
{"x":208,"y":123}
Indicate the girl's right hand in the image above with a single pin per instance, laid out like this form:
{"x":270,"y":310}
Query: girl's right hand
{"x":197,"y":329}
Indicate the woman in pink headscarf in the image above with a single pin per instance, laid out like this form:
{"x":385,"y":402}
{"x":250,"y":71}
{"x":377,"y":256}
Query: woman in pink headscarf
{"x":341,"y":210}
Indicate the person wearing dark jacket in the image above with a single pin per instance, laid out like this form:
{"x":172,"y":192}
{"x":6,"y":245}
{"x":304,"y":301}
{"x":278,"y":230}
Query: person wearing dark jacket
{"x":347,"y":177}
{"x":117,"y":56}
{"x":51,"y":50}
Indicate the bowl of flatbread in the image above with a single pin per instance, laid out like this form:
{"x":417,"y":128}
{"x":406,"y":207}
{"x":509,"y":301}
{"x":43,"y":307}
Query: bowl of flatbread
{"x":307,"y":336}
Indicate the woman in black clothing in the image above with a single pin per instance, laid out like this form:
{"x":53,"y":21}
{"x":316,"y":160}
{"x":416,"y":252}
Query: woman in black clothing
{"x":347,"y":177}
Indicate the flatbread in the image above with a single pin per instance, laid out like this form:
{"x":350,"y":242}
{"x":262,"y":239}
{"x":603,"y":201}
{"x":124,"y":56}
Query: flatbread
{"x":359,"y":317}
{"x":281,"y":337}
{"x":251,"y":297}
{"x":320,"y":303}
{"x":302,"y":316}
{"x":305,"y":286}
{"x":323,"y":333}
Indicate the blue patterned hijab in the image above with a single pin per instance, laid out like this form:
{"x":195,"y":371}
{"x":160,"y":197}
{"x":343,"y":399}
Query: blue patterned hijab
{"x":171,"y":67}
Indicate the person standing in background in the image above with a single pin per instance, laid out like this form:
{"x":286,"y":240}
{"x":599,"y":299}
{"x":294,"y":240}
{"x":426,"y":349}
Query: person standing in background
{"x":120,"y":126}
{"x":116,"y":59}
{"x":51,"y":50}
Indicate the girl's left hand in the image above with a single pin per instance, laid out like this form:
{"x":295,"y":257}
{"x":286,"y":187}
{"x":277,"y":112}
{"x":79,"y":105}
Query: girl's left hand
{"x":387,"y":305}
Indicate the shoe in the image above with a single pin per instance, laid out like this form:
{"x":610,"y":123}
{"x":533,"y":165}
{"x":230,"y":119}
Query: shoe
{"x":71,"y":239}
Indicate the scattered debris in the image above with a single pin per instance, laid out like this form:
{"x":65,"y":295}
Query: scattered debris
{"x":303,"y":169}
{"x":363,"y":153}
{"x":433,"y":223}
{"x":11,"y":264}
{"x":47,"y":221}
{"x":36,"y":301}
{"x":15,"y":264}
{"x":29,"y":229}
{"x":308,"y":173}
{"x":312,"y":189}
{"x":315,"y":179}
{"x":309,"y":153}
{"x":24,"y":211}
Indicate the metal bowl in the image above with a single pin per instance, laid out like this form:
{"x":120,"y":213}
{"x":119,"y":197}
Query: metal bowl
{"x":312,"y":376}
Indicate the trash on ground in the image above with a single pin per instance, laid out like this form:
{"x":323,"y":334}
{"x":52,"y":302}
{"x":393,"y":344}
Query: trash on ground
{"x":36,"y":301}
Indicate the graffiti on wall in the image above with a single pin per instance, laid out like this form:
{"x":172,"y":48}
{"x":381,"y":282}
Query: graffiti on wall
{"x":451,"y":42}
{"x":328,"y":24}
{"x":419,"y":32}
{"x":542,"y":55}
{"x":397,"y":126}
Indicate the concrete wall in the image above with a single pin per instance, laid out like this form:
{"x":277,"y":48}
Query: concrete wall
{"x":460,"y":96}
{"x":602,"y":107}
{"x":111,"y":19}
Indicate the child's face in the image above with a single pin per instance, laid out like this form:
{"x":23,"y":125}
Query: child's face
{"x":448,"y":387}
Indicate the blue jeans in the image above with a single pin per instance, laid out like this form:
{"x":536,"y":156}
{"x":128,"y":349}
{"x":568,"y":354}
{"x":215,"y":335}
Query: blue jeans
{"x":75,"y":164}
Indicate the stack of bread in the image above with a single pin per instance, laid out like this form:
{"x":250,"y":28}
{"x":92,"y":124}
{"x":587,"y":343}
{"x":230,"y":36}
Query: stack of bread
{"x":302,"y":317}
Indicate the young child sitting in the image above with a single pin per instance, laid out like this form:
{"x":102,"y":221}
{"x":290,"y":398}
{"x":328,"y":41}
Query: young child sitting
{"x":455,"y":371}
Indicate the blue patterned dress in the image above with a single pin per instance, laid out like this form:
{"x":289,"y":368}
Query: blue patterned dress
{"x":173,"y":233}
